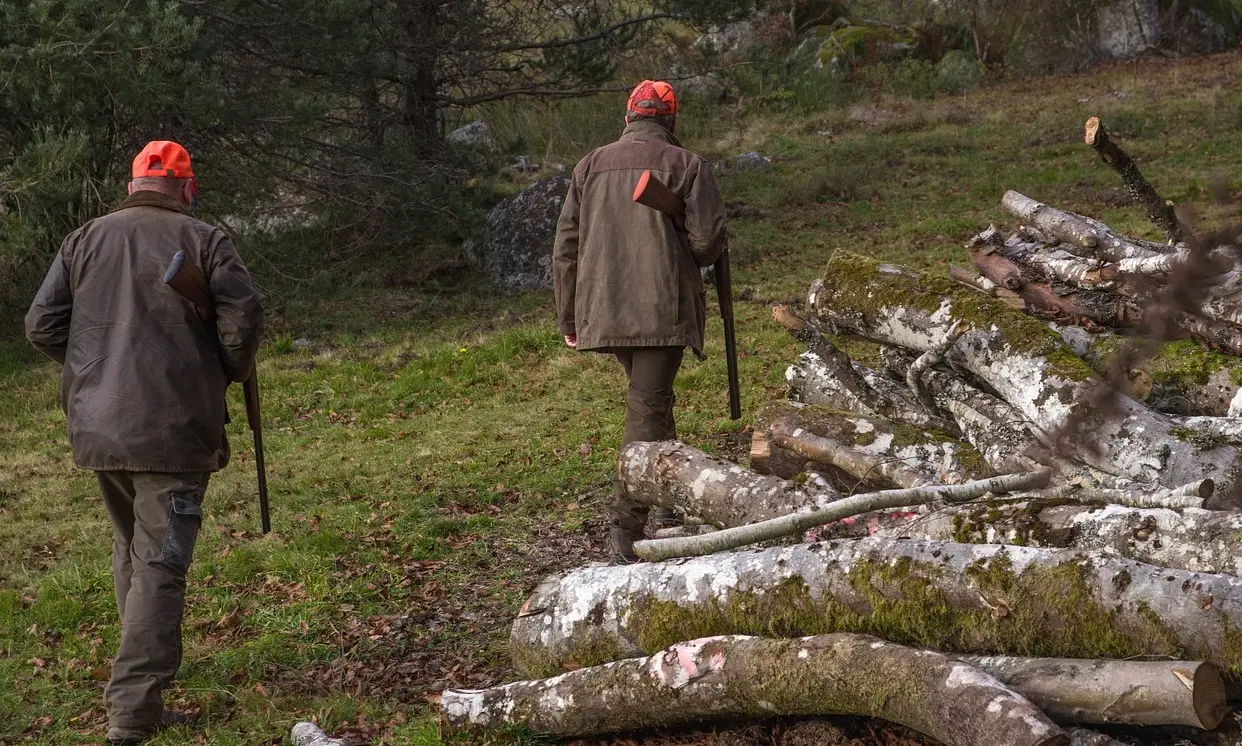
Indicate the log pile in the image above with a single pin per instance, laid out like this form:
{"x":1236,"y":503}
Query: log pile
{"x":1011,"y":515}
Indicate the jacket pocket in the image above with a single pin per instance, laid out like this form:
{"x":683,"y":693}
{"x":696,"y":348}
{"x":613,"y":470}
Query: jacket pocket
{"x":184,"y":520}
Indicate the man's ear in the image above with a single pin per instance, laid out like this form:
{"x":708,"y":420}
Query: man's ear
{"x":129,"y":188}
{"x":188,"y":193}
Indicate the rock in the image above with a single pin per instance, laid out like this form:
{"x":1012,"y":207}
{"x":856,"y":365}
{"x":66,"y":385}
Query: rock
{"x":751,"y":160}
{"x":1201,"y":32}
{"x":525,"y":164}
{"x":474,"y":135}
{"x":733,"y":38}
{"x":302,"y":343}
{"x":516,"y":252}
{"x":1128,"y":28}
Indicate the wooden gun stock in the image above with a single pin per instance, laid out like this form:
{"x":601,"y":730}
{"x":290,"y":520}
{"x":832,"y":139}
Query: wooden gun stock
{"x":653,"y":193}
{"x":184,"y":276}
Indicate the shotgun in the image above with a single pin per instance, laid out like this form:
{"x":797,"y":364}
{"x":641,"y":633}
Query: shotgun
{"x":651,"y":192}
{"x":185,"y":277}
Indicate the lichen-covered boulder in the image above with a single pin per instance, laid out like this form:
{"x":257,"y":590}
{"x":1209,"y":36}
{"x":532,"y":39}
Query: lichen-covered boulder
{"x":516,"y":252}
{"x":474,"y":135}
{"x":1128,"y":28}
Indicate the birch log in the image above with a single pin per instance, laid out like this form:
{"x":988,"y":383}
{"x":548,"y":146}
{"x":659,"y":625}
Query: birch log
{"x":977,"y":599}
{"x":819,"y":515}
{"x":674,"y":475}
{"x":1185,"y":377}
{"x":732,"y":677}
{"x":1024,"y":362}
{"x":1062,"y":225}
{"x":870,"y":450}
{"x":1204,"y":541}
{"x":1124,"y":692}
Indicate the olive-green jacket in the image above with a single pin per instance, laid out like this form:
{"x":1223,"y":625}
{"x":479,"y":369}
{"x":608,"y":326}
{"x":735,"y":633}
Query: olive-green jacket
{"x":626,"y":275}
{"x":144,"y":377}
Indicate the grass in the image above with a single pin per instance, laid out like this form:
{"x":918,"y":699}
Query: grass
{"x":436,"y":450}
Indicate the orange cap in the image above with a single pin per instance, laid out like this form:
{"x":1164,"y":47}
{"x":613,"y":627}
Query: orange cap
{"x":653,"y":97}
{"x":166,"y":159}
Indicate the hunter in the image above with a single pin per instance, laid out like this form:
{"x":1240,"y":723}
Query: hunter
{"x":627,"y":277}
{"x":142,"y":386}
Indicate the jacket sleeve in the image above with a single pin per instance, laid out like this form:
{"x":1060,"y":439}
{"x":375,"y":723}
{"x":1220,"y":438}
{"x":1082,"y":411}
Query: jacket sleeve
{"x":47,"y":321}
{"x":705,"y":216}
{"x":239,"y":308}
{"x":565,"y":258}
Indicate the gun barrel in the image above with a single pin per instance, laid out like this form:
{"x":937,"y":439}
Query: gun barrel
{"x":724,"y":292}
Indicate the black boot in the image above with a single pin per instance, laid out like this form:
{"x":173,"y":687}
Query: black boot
{"x":135,"y":736}
{"x":621,"y":542}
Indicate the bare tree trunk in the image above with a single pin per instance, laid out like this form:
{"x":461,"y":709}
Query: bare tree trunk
{"x":953,"y":597}
{"x":1024,"y":362}
{"x":674,"y":475}
{"x":747,"y":677}
{"x":1157,"y":210}
{"x":1124,"y":692}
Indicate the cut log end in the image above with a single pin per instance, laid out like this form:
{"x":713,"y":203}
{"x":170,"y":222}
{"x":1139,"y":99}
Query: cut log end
{"x":787,"y":318}
{"x":1208,"y":691}
{"x":1092,"y":131}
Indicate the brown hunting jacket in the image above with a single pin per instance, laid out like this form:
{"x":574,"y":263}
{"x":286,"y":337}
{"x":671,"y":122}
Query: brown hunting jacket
{"x":626,"y":275}
{"x":144,"y":377}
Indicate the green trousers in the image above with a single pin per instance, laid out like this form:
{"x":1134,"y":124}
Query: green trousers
{"x":648,"y":417}
{"x":155,"y":520}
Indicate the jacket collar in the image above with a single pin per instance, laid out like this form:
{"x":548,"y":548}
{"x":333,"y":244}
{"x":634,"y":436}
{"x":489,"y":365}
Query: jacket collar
{"x":147,"y":198}
{"x":645,"y":129}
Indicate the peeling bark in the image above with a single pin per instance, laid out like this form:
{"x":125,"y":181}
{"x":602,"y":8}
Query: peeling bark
{"x":978,"y":599}
{"x":1124,"y":692}
{"x":748,"y":677}
{"x":674,"y":475}
{"x":1026,"y":363}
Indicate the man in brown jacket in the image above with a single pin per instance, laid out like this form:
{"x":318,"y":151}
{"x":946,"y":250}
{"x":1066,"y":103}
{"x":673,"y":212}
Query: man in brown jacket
{"x":142,"y":385}
{"x":627,"y":277}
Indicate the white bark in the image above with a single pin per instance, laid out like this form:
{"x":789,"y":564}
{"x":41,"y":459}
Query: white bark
{"x":655,"y":550}
{"x":955,"y":597}
{"x":1064,"y":226}
{"x":1025,"y":363}
{"x":737,"y":676}
{"x":1194,"y":540}
{"x":309,"y":734}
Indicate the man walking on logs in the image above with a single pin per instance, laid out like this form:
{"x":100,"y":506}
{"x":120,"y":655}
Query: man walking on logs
{"x":142,"y":386}
{"x":628,"y":278}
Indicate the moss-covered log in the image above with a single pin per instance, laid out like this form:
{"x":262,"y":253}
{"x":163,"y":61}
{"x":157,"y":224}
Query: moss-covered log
{"x":873,"y":443}
{"x":981,"y":599}
{"x":1207,"y":541}
{"x":1124,"y":692}
{"x":1024,"y":362}
{"x":674,"y":475}
{"x":733,"y":677}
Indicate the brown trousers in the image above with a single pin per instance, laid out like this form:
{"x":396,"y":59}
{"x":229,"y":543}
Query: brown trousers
{"x":648,"y":416}
{"x":155,"y":520}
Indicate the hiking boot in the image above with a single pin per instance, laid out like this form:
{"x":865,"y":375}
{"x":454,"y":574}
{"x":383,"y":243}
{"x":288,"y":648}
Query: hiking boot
{"x":664,"y":518}
{"x":135,"y":736}
{"x":621,"y":543}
